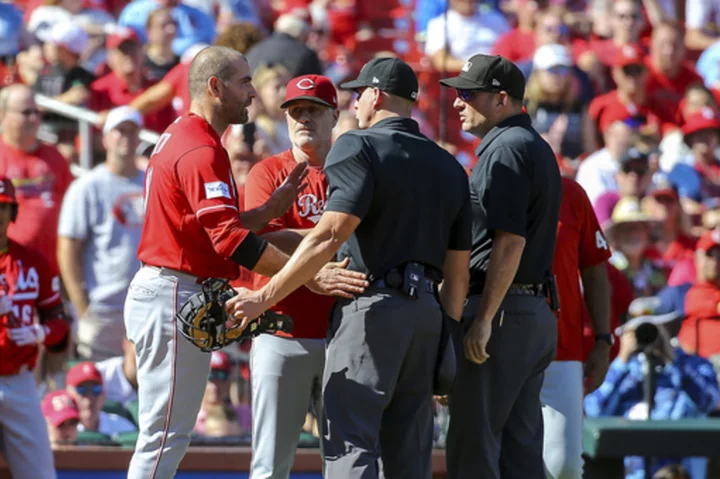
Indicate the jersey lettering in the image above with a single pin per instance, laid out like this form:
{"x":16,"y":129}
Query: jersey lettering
{"x":161,"y":143}
{"x":600,"y":241}
{"x":24,"y":313}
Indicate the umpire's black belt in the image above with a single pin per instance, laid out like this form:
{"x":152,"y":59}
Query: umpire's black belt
{"x":516,"y":289}
{"x":427,"y":284}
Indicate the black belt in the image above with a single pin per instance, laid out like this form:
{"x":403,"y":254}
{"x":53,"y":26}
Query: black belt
{"x":429,"y":285}
{"x":515,"y":289}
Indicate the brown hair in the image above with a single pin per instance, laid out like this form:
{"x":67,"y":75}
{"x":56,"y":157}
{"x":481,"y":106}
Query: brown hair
{"x":240,"y":36}
{"x":534,"y":94}
{"x":154,"y":14}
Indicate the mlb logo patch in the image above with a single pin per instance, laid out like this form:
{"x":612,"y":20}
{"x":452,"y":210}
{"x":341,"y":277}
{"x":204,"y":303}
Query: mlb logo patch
{"x":467,"y":66}
{"x":217,"y":189}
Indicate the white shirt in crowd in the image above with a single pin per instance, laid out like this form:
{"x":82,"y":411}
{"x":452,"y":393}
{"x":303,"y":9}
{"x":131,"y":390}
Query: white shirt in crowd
{"x":700,"y":14}
{"x":466,"y":35}
{"x":117,"y":387}
{"x":111,"y":424}
{"x":596,"y":174}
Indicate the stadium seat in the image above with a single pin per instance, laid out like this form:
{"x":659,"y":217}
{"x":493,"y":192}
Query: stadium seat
{"x":127,"y":439}
{"x":114,"y":407}
{"x":95,"y":438}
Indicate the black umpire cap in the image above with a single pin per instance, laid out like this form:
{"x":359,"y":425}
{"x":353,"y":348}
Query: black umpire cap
{"x":491,"y":73}
{"x":391,"y":75}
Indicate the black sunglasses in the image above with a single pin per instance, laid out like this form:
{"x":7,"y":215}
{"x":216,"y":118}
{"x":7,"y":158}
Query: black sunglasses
{"x":633,"y":70}
{"x":219,"y":375}
{"x":95,"y":390}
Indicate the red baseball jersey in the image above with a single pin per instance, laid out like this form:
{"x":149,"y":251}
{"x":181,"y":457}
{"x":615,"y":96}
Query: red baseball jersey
{"x":34,"y":286}
{"x":178,"y":78}
{"x":580,"y":244}
{"x":191,"y":218}
{"x":40,"y":178}
{"x":111,"y":91}
{"x":309,"y":311}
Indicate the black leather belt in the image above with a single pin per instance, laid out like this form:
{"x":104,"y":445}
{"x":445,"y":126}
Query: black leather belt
{"x":427,"y":284}
{"x":516,"y":289}
{"x":527,"y":289}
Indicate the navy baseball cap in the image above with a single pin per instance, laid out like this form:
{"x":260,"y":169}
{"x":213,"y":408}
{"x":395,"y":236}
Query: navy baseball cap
{"x":391,"y":75}
{"x":491,"y":73}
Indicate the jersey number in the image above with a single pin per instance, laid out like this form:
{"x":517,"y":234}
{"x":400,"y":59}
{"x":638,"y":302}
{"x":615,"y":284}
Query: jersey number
{"x":161,"y":143}
{"x":27,"y":313}
{"x":600,"y":241}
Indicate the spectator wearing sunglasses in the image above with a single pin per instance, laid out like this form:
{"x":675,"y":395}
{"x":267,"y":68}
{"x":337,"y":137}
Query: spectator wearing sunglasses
{"x":62,"y":416}
{"x":85,"y":384}
{"x":668,"y":74}
{"x":700,"y":173}
{"x":217,"y":395}
{"x":630,"y":74}
{"x":554,"y":100}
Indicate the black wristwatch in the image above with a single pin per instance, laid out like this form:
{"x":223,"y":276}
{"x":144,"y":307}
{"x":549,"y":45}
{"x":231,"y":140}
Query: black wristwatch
{"x":607,"y":337}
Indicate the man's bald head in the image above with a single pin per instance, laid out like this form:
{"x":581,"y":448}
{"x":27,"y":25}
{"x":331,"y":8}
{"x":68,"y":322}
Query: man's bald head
{"x":213,"y":61}
{"x":15,"y":93}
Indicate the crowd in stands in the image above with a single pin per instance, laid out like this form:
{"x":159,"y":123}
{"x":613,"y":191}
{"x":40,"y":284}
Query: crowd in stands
{"x":626,"y":92}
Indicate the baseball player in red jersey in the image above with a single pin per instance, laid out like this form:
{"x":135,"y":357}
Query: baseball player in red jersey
{"x":581,"y":250}
{"x":192,"y":231}
{"x":28,"y":285}
{"x":287,"y":371}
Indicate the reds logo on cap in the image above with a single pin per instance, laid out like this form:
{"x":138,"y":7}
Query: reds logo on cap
{"x":315,"y":88}
{"x":306,"y":84}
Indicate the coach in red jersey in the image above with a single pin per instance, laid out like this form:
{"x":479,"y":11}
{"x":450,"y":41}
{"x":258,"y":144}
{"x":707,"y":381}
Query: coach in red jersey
{"x":192,"y":231}
{"x":287,"y":371}
{"x":28,"y":285}
{"x":581,"y":251}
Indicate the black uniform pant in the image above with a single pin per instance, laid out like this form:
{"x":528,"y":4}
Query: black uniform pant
{"x":496,"y":425}
{"x":377,"y":386}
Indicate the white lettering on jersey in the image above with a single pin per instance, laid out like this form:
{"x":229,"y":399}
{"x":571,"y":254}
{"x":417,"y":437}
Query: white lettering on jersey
{"x":28,"y":284}
{"x":217,"y":189}
{"x":161,"y":143}
{"x":310,"y":207}
{"x":600,"y":241}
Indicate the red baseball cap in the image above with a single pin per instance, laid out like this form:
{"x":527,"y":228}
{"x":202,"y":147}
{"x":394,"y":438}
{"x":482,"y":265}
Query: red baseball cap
{"x":7,"y":191}
{"x":121,"y":36}
{"x":705,"y":119}
{"x":629,"y":55}
{"x":58,"y":407}
{"x":317,"y":88}
{"x":709,"y":240}
{"x":220,"y":360}
{"x":81,"y":372}
{"x":617,"y":112}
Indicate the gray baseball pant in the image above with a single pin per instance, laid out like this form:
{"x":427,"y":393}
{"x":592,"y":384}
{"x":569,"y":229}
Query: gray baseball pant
{"x":24,"y":441}
{"x":172,"y":373}
{"x":377,"y":387}
{"x":286,"y":379}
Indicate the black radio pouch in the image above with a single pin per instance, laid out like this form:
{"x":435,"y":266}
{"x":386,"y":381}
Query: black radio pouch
{"x":413,"y":274}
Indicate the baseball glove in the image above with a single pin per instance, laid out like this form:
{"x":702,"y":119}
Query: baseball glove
{"x":202,"y":319}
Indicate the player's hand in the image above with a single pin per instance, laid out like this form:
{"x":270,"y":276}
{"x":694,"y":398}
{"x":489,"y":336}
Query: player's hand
{"x":334,"y":279}
{"x":28,"y":335}
{"x":245,"y":306}
{"x":596,"y":366}
{"x":282,"y":199}
{"x":476,"y":340}
{"x":6,"y":304}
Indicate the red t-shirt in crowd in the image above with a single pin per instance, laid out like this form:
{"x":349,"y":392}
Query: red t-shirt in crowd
{"x":670,"y":91}
{"x":580,"y":244}
{"x":702,"y":324}
{"x":178,"y":79}
{"x":655,"y":112}
{"x":515,"y":45}
{"x":41,"y":178}
{"x":191,"y":218}
{"x":111,"y":91}
{"x":682,"y":248}
{"x":309,"y":311}
{"x":34,"y":286}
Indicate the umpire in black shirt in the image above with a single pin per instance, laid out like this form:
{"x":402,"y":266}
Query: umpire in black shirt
{"x":510,"y":331}
{"x":401,"y":204}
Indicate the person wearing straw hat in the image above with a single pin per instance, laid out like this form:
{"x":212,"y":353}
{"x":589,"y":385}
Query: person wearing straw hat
{"x":629,"y":235}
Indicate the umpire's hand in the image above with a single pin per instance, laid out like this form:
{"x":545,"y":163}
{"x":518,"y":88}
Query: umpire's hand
{"x":334,"y":279}
{"x":476,"y":340}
